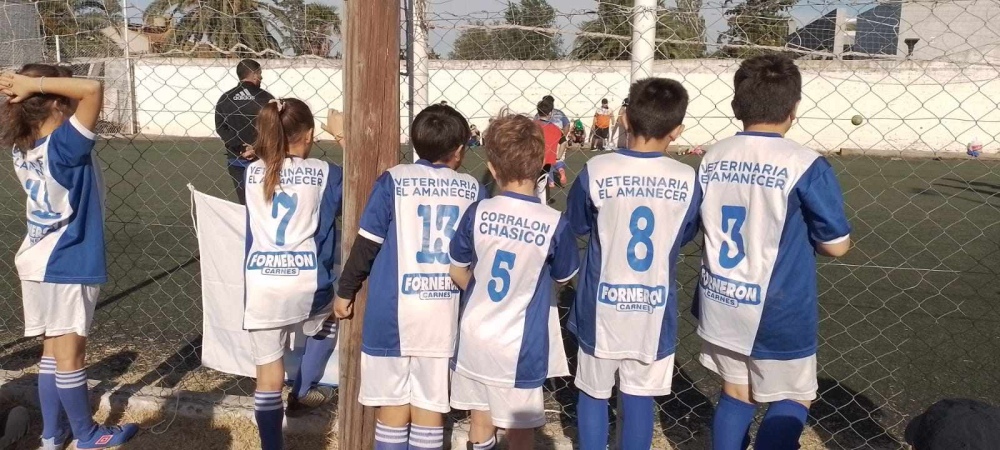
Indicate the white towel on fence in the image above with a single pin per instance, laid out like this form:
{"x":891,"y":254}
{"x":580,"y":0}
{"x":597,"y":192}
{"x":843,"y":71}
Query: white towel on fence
{"x":221,"y":229}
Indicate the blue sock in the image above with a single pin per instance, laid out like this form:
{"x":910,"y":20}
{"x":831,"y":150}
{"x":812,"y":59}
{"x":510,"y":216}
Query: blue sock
{"x":75,"y":399}
{"x":317,"y":354}
{"x":269,"y":410}
{"x":592,"y":422}
{"x":391,"y":438}
{"x":782,"y":426}
{"x":422,"y":438}
{"x":48,"y":397}
{"x":731,"y":424}
{"x":637,"y":423}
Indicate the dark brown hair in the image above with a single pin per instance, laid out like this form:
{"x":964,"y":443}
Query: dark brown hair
{"x":767,"y":87}
{"x":20,"y":122}
{"x":658,"y":107}
{"x":279,"y":123}
{"x":515,"y":147}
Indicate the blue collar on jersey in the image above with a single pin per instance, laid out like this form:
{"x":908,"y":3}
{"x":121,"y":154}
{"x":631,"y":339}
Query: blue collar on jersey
{"x":759,"y":134}
{"x":527,"y":198}
{"x":638,"y":154}
{"x":424,"y":162}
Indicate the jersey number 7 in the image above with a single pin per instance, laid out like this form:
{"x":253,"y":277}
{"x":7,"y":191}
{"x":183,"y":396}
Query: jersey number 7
{"x":290,"y":203}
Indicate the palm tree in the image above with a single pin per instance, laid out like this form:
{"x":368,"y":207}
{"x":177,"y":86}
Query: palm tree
{"x":249,"y":26}
{"x":77,"y":24}
{"x":212,"y":26}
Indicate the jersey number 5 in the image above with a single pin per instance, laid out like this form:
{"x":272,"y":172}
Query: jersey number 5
{"x":447,"y":220}
{"x":503,"y":263}
{"x":290,"y":203}
{"x":640,"y":235}
{"x":737,"y":215}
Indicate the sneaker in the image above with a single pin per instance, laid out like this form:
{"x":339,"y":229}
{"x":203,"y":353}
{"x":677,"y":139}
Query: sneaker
{"x":316,"y":397}
{"x":107,"y":437}
{"x":59,"y":442}
{"x":16,"y":426}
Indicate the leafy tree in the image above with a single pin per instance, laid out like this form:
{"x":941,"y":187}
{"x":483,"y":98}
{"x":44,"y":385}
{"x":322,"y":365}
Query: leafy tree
{"x":306,"y":28}
{"x":683,"y":23}
{"x":755,"y":22}
{"x":512,"y":43}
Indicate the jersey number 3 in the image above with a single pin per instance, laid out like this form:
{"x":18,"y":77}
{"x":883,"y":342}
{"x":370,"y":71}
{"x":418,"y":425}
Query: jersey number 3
{"x":447,"y":220}
{"x":736,"y":215}
{"x":503,"y":263}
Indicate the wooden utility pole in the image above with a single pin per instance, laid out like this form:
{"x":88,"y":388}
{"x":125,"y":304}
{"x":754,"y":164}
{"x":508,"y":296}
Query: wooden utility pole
{"x":371,"y":123}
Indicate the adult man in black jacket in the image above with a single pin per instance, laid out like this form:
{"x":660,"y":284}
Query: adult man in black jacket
{"x":235,"y":114}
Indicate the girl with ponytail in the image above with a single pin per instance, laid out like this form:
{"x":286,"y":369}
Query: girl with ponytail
{"x":48,"y":121}
{"x":292,"y":206}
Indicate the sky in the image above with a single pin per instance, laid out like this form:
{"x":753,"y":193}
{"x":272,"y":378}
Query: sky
{"x":445,"y":14}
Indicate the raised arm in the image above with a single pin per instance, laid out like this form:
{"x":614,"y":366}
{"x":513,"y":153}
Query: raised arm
{"x":88,"y":94}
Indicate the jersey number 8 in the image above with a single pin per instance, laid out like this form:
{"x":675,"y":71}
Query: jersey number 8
{"x":641,"y":226}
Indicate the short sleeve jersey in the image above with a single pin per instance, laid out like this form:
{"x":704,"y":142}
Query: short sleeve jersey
{"x":552,"y":134}
{"x":602,"y":119}
{"x":65,"y":208}
{"x":290,"y":258}
{"x":767,"y":202}
{"x":516,"y":247}
{"x":413,"y":211}
{"x":639,"y":209}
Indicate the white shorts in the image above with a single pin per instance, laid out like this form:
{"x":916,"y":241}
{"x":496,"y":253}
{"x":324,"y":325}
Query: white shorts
{"x":53,"y":309}
{"x":269,"y":344}
{"x":596,"y":376}
{"x":405,"y":380}
{"x":770,"y":380}
{"x":510,"y":408}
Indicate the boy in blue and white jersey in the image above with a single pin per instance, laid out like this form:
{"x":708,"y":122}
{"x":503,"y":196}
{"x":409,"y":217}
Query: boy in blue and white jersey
{"x":293,"y":202}
{"x":769,"y":204}
{"x":411,"y":319}
{"x":639,"y":208}
{"x":505,"y":255}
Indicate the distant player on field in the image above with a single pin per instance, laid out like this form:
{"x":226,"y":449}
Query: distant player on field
{"x":292,"y":206}
{"x":554,"y":169}
{"x":505,"y":255}
{"x":769,"y":206}
{"x":48,"y":121}
{"x":411,"y":320}
{"x":639,"y":207}
{"x":601,"y":127}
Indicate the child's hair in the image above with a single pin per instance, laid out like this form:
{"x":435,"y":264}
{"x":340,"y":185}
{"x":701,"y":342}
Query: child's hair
{"x":516,"y":148}
{"x":604,"y":102}
{"x":438,"y":131}
{"x":767,"y":89}
{"x":20,"y":122}
{"x":545,"y":108}
{"x":279,"y":123}
{"x":656,"y":107}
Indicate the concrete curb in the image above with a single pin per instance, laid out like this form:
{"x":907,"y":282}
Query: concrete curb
{"x":198,"y":405}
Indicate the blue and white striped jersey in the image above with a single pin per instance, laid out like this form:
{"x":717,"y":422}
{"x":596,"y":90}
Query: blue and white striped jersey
{"x":516,"y":247}
{"x":413,"y":211}
{"x":290,"y":242}
{"x":767,"y":202}
{"x":639,"y":209}
{"x":65,"y":208}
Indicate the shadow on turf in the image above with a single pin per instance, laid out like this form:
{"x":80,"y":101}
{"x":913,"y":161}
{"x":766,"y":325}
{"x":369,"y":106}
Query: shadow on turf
{"x":957,"y":186}
{"x":845,"y":418}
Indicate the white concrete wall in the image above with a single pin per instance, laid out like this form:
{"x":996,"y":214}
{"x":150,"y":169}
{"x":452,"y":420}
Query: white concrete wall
{"x":906,"y":105}
{"x":947,"y":28}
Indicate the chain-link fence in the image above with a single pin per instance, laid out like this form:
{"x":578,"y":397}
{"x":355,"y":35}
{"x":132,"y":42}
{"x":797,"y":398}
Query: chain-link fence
{"x":894,"y":92}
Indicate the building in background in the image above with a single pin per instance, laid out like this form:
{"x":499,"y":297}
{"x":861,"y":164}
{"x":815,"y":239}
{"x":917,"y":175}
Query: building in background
{"x":20,"y":35}
{"x":924,"y":30}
